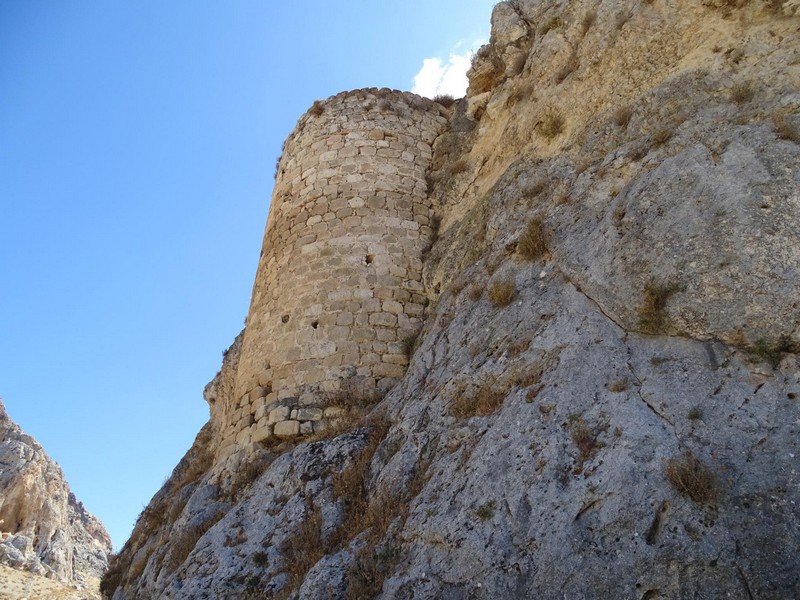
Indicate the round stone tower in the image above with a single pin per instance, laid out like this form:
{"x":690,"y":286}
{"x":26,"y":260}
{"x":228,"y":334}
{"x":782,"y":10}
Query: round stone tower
{"x":339,"y":281}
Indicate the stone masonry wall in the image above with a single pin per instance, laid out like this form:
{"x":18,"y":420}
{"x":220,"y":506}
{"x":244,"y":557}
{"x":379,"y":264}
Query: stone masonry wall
{"x":339,"y":282}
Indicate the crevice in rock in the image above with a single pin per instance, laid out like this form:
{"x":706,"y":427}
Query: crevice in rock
{"x":745,"y":583}
{"x":642,"y":397}
{"x":594,"y":302}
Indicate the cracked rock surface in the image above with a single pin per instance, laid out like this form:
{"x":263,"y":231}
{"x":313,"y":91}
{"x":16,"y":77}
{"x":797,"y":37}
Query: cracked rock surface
{"x":604,"y":401}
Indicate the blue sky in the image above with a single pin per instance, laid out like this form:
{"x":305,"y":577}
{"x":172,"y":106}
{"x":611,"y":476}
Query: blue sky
{"x":137,"y":148}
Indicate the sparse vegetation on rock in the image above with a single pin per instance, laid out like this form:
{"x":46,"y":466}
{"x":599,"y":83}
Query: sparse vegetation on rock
{"x":555,"y":424}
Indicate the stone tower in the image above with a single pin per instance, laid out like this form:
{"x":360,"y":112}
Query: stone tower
{"x":339,"y":281}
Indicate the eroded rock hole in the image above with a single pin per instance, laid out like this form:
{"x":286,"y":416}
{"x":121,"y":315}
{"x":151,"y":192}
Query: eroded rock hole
{"x":285,"y":319}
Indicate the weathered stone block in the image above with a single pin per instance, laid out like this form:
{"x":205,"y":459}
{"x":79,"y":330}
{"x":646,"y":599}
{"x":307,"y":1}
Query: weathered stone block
{"x":309,"y":414}
{"x":261,"y":434}
{"x":306,"y":428}
{"x":383,"y":318}
{"x":395,"y":359}
{"x":243,"y":437}
{"x":392,"y":306}
{"x":279,"y":414}
{"x":286,"y":429}
{"x":388,"y":370}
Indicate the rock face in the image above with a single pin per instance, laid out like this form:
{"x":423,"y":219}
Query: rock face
{"x":604,"y":398}
{"x":44,"y":529}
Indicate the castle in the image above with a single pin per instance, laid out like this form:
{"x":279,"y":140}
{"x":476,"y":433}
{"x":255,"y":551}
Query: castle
{"x":339,"y":281}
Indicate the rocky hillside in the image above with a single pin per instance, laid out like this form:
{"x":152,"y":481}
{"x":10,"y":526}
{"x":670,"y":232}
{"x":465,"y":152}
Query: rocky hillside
{"x":604,"y":401}
{"x":44,"y":530}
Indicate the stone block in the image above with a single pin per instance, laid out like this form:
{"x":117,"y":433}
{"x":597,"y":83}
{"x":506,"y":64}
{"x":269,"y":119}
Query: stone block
{"x":392,"y":306}
{"x":387,"y":335}
{"x":243,"y":437}
{"x":333,"y":412}
{"x":225,"y":452}
{"x":261,"y":434}
{"x":309,"y":414}
{"x":306,"y":428}
{"x":279,"y":414}
{"x":389,"y":370}
{"x":286,"y":429}
{"x":383,"y":318}
{"x":395,"y":359}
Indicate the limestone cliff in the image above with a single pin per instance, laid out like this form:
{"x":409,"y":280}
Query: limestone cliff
{"x":603,"y":398}
{"x":44,"y":529}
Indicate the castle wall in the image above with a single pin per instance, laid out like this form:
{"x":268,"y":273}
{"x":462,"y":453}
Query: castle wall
{"x":339,"y":281}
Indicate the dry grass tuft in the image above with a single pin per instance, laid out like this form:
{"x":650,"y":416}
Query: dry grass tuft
{"x":552,"y":124}
{"x":662,"y":136}
{"x":584,"y":439}
{"x":618,"y":386}
{"x":409,"y":344}
{"x":317,"y":108}
{"x":654,"y":303}
{"x":531,"y":244}
{"x":785,"y":129}
{"x":535,"y":188}
{"x":742,"y":92}
{"x":692,"y":478}
{"x":622,"y":116}
{"x":445,"y":100}
{"x":183,"y":545}
{"x":502,"y":292}
{"x":522,"y":92}
{"x":588,"y":20}
{"x":483,"y":401}
{"x":459,"y":166}
{"x":475,"y":292}
{"x":304,"y":548}
{"x":567,"y":69}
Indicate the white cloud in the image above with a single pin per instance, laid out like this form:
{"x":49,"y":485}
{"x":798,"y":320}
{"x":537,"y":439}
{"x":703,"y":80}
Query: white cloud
{"x":444,"y":77}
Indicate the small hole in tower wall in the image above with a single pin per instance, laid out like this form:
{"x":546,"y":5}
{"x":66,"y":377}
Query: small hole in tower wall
{"x":285,"y":319}
{"x":314,"y":324}
{"x":368,"y":259}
